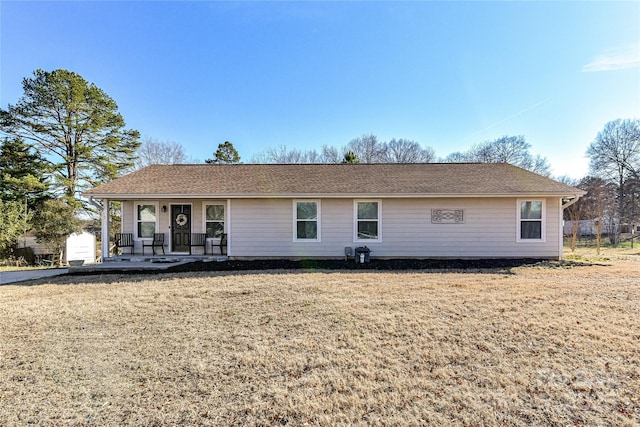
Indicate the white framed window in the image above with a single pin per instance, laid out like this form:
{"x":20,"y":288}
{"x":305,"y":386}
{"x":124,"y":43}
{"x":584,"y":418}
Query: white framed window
{"x":530,"y":226}
{"x":367,"y":221}
{"x":214,"y":220}
{"x":146,"y":215}
{"x":306,"y":227}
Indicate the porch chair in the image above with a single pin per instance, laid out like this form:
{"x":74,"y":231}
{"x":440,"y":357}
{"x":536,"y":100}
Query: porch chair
{"x":221,"y":244}
{"x":158,"y":241}
{"x":198,"y":239}
{"x":50,"y":260}
{"x":123,"y":240}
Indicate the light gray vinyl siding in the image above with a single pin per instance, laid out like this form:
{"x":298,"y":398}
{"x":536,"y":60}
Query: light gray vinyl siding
{"x":264,"y":228}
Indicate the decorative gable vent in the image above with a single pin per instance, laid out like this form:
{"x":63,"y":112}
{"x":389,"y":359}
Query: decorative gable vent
{"x":447,"y":216}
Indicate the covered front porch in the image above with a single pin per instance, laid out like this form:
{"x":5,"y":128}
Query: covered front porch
{"x":153,"y":229}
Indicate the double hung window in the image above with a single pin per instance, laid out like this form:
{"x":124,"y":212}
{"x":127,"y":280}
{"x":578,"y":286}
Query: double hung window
{"x":214,"y":220}
{"x":146,"y":220}
{"x":367,"y":220}
{"x":530,"y":220}
{"x":307,"y":223}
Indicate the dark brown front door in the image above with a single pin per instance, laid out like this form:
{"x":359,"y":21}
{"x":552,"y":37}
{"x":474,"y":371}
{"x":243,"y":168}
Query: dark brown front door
{"x":180,"y":227}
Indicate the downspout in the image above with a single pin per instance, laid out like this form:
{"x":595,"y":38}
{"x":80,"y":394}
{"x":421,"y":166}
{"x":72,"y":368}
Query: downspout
{"x":563,"y":207}
{"x":571,"y":202}
{"x":94,"y":203}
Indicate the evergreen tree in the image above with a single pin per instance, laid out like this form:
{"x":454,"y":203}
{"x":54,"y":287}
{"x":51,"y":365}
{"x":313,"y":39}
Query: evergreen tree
{"x":14,"y":222}
{"x":76,"y":126}
{"x":23,"y":173}
{"x":226,"y":153}
{"x":350,"y":157}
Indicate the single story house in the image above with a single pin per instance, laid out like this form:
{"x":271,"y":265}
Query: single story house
{"x":434,"y":210}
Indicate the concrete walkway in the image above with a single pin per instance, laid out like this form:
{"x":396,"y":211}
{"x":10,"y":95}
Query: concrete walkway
{"x":115,"y":265}
{"x":7,"y":277}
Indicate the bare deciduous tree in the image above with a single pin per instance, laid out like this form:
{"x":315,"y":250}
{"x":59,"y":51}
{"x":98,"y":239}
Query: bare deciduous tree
{"x":456,"y":157}
{"x":615,"y":156}
{"x":598,"y":207}
{"x":368,"y":149}
{"x":284,"y":155}
{"x":313,"y":157}
{"x":539,"y":165}
{"x":407,"y":151}
{"x":508,"y":149}
{"x":154,"y":152}
{"x":330,"y":154}
{"x":615,"y":153}
{"x":632,"y":205}
{"x":576,"y":212}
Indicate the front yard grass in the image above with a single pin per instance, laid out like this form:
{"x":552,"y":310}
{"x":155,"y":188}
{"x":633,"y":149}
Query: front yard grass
{"x":529,"y":346}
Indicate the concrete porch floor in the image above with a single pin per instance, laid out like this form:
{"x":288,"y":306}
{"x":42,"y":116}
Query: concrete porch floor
{"x":144,"y":262}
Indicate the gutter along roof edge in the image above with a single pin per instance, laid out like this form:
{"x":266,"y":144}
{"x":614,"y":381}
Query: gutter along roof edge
{"x":130,"y":196}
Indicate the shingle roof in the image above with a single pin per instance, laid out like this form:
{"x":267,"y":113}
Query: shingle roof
{"x":252,"y":180}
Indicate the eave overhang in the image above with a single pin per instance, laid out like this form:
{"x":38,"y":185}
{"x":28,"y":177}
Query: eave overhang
{"x":207,"y":196}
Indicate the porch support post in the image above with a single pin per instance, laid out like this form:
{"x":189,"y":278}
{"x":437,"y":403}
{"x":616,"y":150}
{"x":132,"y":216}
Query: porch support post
{"x":228,"y":224}
{"x":105,"y":229}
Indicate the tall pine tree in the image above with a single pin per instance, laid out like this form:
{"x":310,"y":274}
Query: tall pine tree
{"x":23,"y":173}
{"x":226,"y":153}
{"x":76,"y":126}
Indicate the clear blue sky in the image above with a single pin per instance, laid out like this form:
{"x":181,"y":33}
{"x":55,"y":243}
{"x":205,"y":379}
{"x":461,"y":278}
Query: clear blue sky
{"x":304,"y":74}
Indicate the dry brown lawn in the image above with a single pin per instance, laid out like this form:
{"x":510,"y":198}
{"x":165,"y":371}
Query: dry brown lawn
{"x":530,"y":346}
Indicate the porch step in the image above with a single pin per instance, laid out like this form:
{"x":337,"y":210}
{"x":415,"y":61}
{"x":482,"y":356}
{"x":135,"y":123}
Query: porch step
{"x":167,"y":259}
{"x":139,"y":263}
